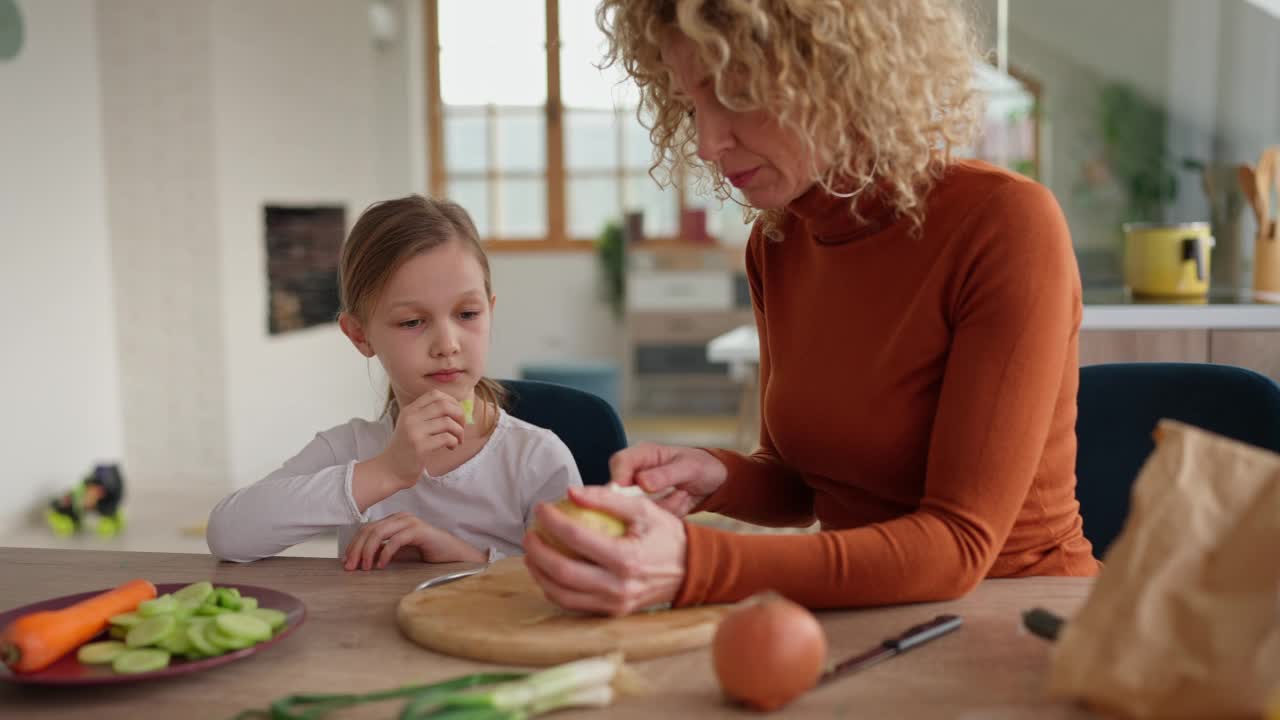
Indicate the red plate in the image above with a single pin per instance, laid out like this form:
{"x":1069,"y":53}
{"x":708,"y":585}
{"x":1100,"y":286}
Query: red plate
{"x":69,"y":671}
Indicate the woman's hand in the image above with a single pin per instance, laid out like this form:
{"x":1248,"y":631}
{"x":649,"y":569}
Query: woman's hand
{"x":404,"y":535}
{"x":644,"y":567}
{"x":688,"y":475}
{"x":425,"y":426}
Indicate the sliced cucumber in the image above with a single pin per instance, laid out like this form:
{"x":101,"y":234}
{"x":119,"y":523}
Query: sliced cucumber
{"x":100,"y":653}
{"x":176,"y":642}
{"x":198,"y":621}
{"x":274,"y":618}
{"x":195,"y":593}
{"x":223,"y":641}
{"x":211,"y":610}
{"x":229,"y":598}
{"x":245,"y":627}
{"x":196,"y":634}
{"x":140,"y":661}
{"x":150,"y":631}
{"x":128,"y":619}
{"x":163,"y":605}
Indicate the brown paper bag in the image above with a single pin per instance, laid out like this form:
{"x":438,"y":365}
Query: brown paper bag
{"x":1184,"y":621}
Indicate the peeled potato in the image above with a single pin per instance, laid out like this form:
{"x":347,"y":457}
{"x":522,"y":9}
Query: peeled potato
{"x":601,"y":522}
{"x":768,"y":653}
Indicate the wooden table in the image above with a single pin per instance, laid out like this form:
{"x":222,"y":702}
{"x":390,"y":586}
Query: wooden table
{"x":990,"y":669}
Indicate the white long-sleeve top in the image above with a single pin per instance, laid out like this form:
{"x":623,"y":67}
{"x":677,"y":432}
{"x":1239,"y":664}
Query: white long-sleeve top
{"x":487,"y":501}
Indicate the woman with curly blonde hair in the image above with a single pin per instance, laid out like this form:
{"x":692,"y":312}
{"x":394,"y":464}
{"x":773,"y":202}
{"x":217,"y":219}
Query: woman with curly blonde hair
{"x":918,"y":318}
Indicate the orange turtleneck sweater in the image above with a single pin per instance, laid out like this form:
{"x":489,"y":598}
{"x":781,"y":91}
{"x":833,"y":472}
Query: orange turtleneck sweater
{"x":918,"y":396}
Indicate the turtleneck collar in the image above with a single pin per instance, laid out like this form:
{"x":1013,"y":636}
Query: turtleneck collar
{"x":829,"y":217}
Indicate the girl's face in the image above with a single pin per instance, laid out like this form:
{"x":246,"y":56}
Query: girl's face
{"x":430,"y":327}
{"x":766,"y":161}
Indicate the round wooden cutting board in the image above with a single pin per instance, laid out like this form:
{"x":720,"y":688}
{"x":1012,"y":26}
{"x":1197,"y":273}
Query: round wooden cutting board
{"x":500,"y":616}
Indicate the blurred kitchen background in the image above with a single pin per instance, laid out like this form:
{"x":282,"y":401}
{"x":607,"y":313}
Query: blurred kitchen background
{"x":176,"y":175}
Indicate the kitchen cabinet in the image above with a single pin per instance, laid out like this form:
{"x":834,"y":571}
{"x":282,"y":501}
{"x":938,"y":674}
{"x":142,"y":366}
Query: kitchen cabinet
{"x":1111,"y":346}
{"x":1254,"y":349}
{"x":678,"y":299}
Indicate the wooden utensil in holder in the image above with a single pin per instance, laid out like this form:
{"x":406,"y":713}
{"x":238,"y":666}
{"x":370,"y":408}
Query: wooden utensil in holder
{"x":1266,"y":254}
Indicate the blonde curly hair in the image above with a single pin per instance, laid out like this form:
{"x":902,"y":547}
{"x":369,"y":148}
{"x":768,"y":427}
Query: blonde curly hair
{"x":883,"y":88}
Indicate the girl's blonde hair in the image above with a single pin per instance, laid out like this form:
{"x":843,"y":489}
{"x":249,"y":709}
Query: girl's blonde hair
{"x":387,"y":235}
{"x":882,"y":88}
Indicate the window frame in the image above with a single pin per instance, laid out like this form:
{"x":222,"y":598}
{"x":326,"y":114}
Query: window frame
{"x":555,"y":174}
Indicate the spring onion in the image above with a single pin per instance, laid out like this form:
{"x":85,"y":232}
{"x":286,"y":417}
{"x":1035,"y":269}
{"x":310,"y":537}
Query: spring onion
{"x":480,"y":696}
{"x":304,"y":706}
{"x":572,"y":684}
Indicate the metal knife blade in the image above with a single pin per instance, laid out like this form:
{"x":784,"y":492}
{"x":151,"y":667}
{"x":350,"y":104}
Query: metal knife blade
{"x":449,"y":577}
{"x":913,"y":637}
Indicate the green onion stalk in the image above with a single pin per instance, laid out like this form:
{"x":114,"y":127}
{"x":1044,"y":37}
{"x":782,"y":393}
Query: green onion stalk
{"x":506,"y":696}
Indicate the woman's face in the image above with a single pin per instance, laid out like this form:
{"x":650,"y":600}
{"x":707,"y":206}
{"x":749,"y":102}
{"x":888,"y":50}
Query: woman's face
{"x":767,"y":162}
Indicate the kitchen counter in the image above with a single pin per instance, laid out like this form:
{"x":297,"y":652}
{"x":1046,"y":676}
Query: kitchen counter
{"x":1115,"y":309}
{"x":1104,"y":309}
{"x":349,"y":643}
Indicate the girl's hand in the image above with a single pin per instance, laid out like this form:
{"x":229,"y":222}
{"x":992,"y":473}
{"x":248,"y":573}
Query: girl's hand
{"x":379,"y":542}
{"x":643,"y":568}
{"x":688,"y":475}
{"x":428,"y":425}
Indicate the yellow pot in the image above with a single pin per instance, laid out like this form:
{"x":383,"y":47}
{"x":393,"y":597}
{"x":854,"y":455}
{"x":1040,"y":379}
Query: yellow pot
{"x":1167,"y":260}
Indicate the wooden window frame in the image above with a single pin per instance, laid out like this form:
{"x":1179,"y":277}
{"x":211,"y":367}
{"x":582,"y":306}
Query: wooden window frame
{"x":557,"y":238}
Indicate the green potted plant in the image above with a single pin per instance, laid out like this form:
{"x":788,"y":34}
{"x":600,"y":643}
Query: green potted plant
{"x":612,"y":252}
{"x":1135,"y":150}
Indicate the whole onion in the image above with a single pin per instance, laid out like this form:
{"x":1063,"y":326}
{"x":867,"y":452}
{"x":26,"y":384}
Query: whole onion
{"x":768,"y":652}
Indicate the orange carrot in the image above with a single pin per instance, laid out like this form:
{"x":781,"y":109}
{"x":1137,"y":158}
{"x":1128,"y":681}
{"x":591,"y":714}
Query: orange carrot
{"x":36,"y":641}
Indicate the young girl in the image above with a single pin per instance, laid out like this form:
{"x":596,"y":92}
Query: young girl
{"x":429,"y":479}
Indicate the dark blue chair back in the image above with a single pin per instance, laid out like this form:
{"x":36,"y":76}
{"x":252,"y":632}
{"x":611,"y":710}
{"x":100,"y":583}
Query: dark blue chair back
{"x":1119,"y":406}
{"x":586,"y":423}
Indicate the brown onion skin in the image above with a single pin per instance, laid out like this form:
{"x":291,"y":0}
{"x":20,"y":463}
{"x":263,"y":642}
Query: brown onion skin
{"x":768,"y":653}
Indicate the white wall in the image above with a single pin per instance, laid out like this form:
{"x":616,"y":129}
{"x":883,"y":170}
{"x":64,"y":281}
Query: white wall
{"x":1124,"y":40}
{"x":549,"y":308}
{"x":1194,"y":31}
{"x":159,"y":149}
{"x":58,"y":368}
{"x":1073,"y":49}
{"x":297,"y":120}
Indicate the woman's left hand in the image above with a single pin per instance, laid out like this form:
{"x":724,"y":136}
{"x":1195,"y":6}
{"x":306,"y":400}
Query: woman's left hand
{"x":644,"y":567}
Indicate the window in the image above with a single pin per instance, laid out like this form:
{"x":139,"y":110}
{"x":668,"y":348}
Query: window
{"x":540,"y":145}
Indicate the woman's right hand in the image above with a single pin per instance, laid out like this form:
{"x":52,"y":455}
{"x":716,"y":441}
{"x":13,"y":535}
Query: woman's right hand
{"x":688,"y":475}
{"x":428,"y":425}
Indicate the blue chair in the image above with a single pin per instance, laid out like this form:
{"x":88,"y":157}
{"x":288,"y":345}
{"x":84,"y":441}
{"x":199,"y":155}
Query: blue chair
{"x":585,"y":422}
{"x":1119,"y":406}
{"x":596,"y":377}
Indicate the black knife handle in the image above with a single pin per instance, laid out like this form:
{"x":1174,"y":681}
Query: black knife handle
{"x":1042,"y":623}
{"x":919,"y":634}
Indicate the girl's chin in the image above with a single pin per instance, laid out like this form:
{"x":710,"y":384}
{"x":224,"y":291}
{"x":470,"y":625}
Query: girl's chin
{"x":459,"y":389}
